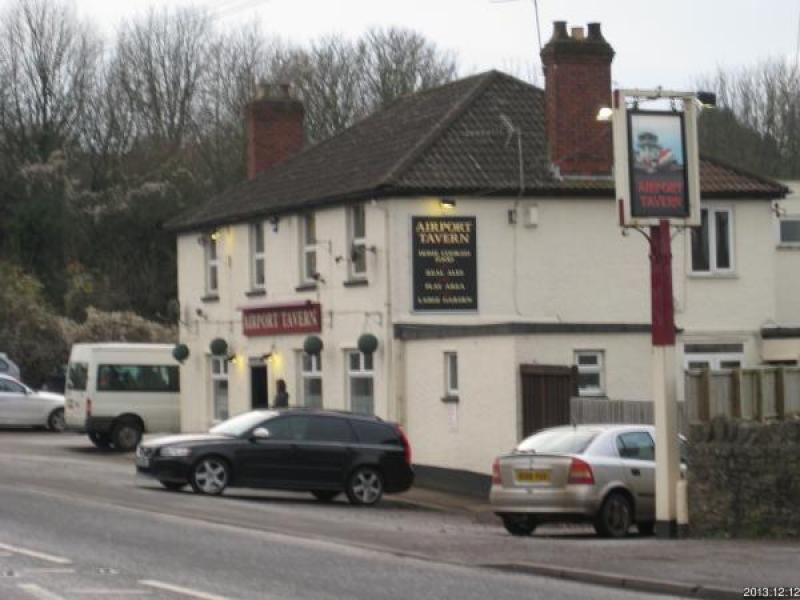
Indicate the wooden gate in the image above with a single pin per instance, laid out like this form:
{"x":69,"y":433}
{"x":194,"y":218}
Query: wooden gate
{"x":546,"y":393}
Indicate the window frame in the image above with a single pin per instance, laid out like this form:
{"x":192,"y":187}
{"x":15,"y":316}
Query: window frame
{"x":714,"y":360}
{"x":619,"y":439}
{"x":356,"y":243}
{"x":257,"y":256}
{"x":449,"y":358}
{"x":220,"y":376}
{"x":305,"y":374}
{"x":713,"y":270}
{"x":361,"y":373}
{"x":308,"y":247}
{"x":211,"y":259}
{"x":599,"y":368}
{"x":781,"y":242}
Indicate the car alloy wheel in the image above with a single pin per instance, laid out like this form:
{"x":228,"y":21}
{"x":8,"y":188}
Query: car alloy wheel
{"x":210,"y":476}
{"x":365,"y":487}
{"x":56,"y":421}
{"x":615,"y":516}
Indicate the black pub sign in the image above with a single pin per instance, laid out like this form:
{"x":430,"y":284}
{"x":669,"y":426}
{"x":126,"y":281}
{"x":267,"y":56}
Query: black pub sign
{"x":444,"y":263}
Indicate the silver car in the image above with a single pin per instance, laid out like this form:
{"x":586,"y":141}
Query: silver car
{"x":20,"y":406}
{"x":602,"y":474}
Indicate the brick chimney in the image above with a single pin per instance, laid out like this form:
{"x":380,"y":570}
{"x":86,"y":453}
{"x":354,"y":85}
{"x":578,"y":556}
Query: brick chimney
{"x":274,"y":123}
{"x":577,"y":73}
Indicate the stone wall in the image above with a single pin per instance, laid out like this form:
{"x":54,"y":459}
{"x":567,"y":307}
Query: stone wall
{"x":744,"y":479}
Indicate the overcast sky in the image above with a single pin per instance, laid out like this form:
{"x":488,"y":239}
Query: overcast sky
{"x":657,"y":43}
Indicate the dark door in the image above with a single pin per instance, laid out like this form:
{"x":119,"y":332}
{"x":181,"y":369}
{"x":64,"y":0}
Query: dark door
{"x":546,"y":393}
{"x":325,"y":452}
{"x":258,"y":386}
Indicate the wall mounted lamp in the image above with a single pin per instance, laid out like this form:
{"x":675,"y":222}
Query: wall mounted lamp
{"x":447,"y":203}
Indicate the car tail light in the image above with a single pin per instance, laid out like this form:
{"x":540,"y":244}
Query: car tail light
{"x":88,"y":407}
{"x":580,"y":472}
{"x":496,"y":472}
{"x":406,"y":445}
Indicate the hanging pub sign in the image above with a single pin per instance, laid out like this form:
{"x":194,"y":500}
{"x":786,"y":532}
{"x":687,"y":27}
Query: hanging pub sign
{"x":656,"y":165}
{"x":303,"y":317}
{"x":657,"y":159}
{"x":444,"y":263}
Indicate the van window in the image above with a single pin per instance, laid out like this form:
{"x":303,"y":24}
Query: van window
{"x":137,"y":378}
{"x":77,"y":373}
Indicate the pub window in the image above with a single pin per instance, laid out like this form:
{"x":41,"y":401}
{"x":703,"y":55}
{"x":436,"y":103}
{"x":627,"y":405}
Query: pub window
{"x":360,"y":383}
{"x":450,"y":374}
{"x":357,"y":245}
{"x":257,"y":278}
{"x":212,"y":265}
{"x":308,"y":248}
{"x":712,"y":242}
{"x":310,"y":380}
{"x":591,"y":372}
{"x":790,"y":231}
{"x":219,"y":388}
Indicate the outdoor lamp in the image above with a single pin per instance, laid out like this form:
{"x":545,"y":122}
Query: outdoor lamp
{"x":447,"y":203}
{"x":604,"y":114}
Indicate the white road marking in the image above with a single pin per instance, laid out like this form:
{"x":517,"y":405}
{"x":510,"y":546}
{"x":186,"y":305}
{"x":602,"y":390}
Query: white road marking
{"x":46,"y":570}
{"x":39,"y":592}
{"x":180,"y":590}
{"x":108,"y":592}
{"x":33,"y":554}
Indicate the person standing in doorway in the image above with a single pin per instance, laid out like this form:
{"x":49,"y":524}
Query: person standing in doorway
{"x":281,"y":395}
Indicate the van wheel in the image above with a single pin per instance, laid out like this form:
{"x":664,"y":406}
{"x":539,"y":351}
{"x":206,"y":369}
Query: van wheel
{"x":101,"y":440}
{"x":519,"y":525}
{"x":56,"y":421}
{"x":126,"y":436}
{"x":615,"y":516}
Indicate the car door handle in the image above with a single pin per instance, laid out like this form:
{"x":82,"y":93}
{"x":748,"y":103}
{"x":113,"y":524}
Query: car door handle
{"x":636,"y":472}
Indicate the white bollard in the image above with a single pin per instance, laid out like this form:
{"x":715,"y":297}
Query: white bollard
{"x":682,"y":507}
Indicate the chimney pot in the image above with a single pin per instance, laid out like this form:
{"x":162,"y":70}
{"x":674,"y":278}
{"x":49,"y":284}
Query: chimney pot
{"x":594,"y":32}
{"x":560,"y":31}
{"x":577,"y":33}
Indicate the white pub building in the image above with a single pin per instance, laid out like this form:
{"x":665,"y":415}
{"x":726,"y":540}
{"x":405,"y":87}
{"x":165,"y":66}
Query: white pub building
{"x":454,"y":263}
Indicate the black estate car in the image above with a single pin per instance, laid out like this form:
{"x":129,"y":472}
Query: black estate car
{"x":321,"y":452}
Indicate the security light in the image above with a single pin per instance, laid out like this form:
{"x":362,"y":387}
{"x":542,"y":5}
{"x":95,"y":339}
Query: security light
{"x":604,"y":114}
{"x":447,"y":203}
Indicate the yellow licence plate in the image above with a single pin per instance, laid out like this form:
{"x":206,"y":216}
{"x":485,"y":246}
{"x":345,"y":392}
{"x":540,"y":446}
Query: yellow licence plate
{"x":531,"y":475}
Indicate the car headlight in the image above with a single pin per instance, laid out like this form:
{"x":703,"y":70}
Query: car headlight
{"x":175,"y":451}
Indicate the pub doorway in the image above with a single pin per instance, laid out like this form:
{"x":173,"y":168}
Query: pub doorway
{"x":258,"y":386}
{"x":546,"y":393}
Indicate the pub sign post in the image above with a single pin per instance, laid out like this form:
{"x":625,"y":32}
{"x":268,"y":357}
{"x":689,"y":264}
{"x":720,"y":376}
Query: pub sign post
{"x":657,"y":182}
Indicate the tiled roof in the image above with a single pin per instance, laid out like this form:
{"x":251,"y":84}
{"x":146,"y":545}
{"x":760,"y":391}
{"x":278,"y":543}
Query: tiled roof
{"x":468,"y":136}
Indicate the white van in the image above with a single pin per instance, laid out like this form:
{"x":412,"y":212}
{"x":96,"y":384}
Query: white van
{"x":116,"y":392}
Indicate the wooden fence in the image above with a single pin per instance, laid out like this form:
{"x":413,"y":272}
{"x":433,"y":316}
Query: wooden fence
{"x":764,"y":394}
{"x":594,"y":410}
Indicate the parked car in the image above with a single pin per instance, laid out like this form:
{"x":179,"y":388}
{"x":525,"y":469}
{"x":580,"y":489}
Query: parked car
{"x":8,"y":366}
{"x":317,"y":451}
{"x":116,"y":392}
{"x":602,"y":474}
{"x":20,"y":406}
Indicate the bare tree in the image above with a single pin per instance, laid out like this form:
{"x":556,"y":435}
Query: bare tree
{"x":47,"y":64}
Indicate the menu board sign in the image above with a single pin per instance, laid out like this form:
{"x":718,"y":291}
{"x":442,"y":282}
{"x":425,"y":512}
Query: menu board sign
{"x":444,"y":263}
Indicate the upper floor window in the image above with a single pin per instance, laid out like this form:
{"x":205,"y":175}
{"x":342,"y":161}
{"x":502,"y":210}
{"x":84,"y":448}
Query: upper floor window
{"x":790,"y":231}
{"x":308,"y":248}
{"x":591,"y":372}
{"x":257,"y":278}
{"x":357,"y":244}
{"x":212,"y":264}
{"x":712,"y":242}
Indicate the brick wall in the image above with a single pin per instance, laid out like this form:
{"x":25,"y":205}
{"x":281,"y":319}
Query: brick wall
{"x":577,"y":84}
{"x":274,"y":132}
{"x":744,"y":479}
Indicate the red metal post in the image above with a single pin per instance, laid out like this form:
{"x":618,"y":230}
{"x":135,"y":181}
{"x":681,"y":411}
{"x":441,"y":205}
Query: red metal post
{"x":663,"y":316}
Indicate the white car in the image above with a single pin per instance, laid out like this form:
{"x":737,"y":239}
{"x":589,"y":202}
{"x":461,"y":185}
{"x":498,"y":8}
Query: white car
{"x":20,"y":406}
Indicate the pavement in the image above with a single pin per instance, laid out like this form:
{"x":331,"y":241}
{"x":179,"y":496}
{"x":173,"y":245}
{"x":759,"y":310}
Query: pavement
{"x":694,"y":568}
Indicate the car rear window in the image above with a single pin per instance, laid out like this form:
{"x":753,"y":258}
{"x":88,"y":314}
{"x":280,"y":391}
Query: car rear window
{"x":558,"y":441}
{"x":376,"y":433}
